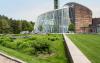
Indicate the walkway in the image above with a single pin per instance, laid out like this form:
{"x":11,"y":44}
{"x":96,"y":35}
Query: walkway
{"x":76,"y":55}
{"x":8,"y":59}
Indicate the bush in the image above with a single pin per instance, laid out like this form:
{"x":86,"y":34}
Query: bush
{"x":4,"y":41}
{"x":71,"y":27}
{"x":31,"y":46}
{"x":53,"y":38}
{"x":30,"y":51}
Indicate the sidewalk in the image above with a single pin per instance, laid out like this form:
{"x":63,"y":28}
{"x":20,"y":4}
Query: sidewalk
{"x":8,"y":59}
{"x":76,"y":55}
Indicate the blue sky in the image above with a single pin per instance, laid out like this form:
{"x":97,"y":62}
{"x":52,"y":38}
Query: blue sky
{"x":30,"y":9}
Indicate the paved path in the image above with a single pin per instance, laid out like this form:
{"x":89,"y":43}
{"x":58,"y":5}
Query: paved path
{"x":76,"y":55}
{"x":8,"y":59}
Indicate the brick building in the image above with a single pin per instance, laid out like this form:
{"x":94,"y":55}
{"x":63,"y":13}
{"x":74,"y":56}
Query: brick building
{"x":81,"y":16}
{"x":95,"y":27}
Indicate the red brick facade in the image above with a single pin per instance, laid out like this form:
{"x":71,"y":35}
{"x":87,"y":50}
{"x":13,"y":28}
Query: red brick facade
{"x":83,"y":18}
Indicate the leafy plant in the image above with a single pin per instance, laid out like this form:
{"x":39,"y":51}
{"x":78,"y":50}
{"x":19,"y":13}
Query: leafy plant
{"x":71,"y":27}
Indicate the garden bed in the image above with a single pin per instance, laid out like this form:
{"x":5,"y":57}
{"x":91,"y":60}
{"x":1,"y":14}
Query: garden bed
{"x":35,"y":48}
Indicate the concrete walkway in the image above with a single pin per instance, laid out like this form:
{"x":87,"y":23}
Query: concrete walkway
{"x":76,"y":55}
{"x":8,"y":59}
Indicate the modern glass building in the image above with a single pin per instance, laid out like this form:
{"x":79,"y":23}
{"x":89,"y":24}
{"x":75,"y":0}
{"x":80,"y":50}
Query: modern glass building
{"x":56,"y":21}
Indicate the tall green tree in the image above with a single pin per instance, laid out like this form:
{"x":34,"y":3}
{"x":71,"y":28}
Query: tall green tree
{"x":9,"y":25}
{"x":17,"y":27}
{"x":30,"y":26}
{"x":71,"y":27}
{"x":4,"y":26}
{"x":27,"y":26}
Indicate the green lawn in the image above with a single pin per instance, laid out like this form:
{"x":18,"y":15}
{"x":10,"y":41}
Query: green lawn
{"x":89,"y":44}
{"x":35,"y":49}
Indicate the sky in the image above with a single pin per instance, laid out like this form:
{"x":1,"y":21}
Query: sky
{"x":31,"y":9}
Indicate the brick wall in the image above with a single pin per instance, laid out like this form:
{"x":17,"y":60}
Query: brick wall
{"x":83,"y":18}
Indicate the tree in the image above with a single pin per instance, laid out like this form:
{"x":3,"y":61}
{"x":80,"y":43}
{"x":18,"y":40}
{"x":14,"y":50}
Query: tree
{"x":40,"y":28}
{"x":27,"y":26}
{"x":24,"y":25}
{"x":71,"y":27}
{"x":9,"y":25}
{"x":30,"y":26}
{"x":4,"y":26}
{"x":18,"y":27}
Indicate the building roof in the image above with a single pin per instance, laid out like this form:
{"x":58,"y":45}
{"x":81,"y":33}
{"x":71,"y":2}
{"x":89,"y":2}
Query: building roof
{"x":71,"y":4}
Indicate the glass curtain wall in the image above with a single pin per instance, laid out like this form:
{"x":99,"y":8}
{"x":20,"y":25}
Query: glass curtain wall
{"x":56,"y":21}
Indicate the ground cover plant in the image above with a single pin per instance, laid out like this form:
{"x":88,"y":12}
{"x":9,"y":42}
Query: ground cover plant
{"x":89,"y":44}
{"x":35,"y":48}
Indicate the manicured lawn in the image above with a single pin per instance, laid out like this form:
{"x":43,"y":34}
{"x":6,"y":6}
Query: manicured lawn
{"x":89,"y":44}
{"x":35,"y":48}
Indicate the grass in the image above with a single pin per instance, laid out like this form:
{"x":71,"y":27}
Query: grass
{"x":89,"y":44}
{"x":56,"y":45}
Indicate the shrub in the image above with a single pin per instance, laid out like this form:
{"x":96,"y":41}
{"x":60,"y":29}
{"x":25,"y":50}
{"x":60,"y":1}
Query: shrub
{"x":29,"y":51}
{"x":71,"y":27}
{"x":53,"y":38}
{"x":31,"y":46}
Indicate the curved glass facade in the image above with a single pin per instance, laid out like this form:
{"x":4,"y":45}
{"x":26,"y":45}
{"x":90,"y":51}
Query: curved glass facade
{"x":56,"y":21}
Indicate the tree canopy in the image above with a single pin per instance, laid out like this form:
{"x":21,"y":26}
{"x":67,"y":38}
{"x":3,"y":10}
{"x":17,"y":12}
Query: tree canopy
{"x":8,"y":25}
{"x":71,"y":27}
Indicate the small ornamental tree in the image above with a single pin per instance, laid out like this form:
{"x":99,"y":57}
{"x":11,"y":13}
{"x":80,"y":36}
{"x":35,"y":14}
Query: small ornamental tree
{"x":40,"y":27}
{"x":71,"y":27}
